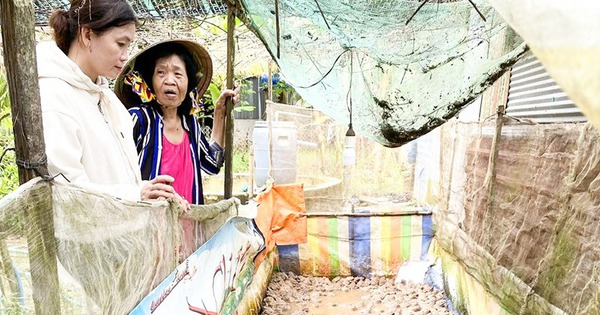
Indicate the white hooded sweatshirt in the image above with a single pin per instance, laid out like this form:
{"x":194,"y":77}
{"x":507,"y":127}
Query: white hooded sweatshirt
{"x":87,"y":130}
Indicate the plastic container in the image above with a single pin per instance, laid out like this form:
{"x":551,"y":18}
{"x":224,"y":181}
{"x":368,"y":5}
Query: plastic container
{"x":285,"y":148}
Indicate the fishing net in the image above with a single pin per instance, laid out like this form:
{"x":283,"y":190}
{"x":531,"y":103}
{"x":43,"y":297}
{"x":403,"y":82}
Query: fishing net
{"x":111,"y":252}
{"x":397,"y":68}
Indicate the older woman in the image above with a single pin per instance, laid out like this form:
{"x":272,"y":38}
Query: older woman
{"x":162,"y":87}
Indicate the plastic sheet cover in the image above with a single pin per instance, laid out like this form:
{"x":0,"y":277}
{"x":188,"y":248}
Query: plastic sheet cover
{"x":564,"y":37}
{"x":366,"y":246}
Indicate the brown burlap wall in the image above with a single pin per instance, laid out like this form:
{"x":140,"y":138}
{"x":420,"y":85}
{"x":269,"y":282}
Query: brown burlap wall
{"x":543,"y":221}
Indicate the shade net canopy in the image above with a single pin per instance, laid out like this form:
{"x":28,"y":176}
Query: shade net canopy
{"x":398,"y":68}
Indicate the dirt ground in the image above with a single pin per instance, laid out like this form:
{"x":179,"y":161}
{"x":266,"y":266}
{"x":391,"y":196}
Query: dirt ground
{"x":290,"y":294}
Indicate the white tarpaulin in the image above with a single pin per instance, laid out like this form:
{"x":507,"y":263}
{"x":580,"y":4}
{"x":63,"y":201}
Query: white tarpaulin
{"x":565,"y":37}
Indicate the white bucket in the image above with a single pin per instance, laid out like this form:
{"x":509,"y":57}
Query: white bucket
{"x":285,"y":148}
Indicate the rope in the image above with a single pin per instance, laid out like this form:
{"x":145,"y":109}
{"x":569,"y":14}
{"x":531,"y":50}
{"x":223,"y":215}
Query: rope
{"x":32,"y":165}
{"x":326,"y":73}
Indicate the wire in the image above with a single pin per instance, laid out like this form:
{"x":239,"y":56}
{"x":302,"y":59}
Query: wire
{"x":349,"y":95}
{"x":322,"y":14}
{"x":326,"y":73}
{"x":3,"y":153}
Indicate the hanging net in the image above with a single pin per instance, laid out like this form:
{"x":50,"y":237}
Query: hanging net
{"x":401,"y":68}
{"x":111,"y":253}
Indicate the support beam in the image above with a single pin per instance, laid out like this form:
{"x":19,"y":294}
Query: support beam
{"x":490,"y":179}
{"x":228,"y":180}
{"x":18,"y":39}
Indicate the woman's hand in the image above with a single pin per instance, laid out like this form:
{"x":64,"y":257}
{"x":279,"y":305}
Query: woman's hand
{"x":159,"y":188}
{"x":183,"y":203}
{"x":218,"y":130}
{"x":234,"y":94}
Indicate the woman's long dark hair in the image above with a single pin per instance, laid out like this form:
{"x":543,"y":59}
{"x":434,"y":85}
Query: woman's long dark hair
{"x":98,"y":15}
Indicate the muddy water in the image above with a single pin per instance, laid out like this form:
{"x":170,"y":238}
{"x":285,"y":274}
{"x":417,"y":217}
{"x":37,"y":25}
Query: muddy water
{"x":290,"y":294}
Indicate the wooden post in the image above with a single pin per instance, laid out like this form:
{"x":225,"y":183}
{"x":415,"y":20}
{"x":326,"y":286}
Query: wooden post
{"x":270,"y":84}
{"x":229,"y":121}
{"x":18,"y":25}
{"x":251,"y":173}
{"x":491,"y":173}
{"x":277,"y":31}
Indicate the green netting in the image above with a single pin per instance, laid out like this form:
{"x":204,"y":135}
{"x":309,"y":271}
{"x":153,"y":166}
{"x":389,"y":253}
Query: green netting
{"x":400,"y":77}
{"x":414,"y":64}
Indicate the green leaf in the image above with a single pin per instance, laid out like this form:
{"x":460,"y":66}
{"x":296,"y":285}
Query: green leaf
{"x":244,"y":108}
{"x":214,"y":92}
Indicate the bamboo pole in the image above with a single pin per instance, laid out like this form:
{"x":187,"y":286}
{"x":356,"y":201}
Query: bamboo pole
{"x":277,"y":30}
{"x":18,"y":25}
{"x":229,"y":120}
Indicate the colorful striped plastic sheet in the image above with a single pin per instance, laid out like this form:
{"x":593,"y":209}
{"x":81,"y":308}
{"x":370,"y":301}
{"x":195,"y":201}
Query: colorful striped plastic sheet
{"x":364,"y":245}
{"x":467,"y":293}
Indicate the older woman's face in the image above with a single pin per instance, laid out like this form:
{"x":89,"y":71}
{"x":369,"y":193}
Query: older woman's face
{"x":170,"y":81}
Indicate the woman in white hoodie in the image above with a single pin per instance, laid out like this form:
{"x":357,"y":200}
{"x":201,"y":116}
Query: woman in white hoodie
{"x":87,"y":132}
{"x":86,"y":128}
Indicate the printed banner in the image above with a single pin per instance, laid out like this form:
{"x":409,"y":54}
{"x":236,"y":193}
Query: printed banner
{"x":358,"y":246}
{"x":214,"y":278}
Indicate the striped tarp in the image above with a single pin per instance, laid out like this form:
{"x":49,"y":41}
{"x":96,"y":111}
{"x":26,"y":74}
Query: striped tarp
{"x":347,"y":245}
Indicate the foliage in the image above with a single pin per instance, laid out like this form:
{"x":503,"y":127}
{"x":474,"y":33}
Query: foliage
{"x":9,"y":177}
{"x":284,"y":93}
{"x":214,"y":91}
{"x":217,"y":25}
{"x":282,"y":88}
{"x":241,"y":160}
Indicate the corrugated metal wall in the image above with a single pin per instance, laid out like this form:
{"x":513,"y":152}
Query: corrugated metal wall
{"x":534,"y":95}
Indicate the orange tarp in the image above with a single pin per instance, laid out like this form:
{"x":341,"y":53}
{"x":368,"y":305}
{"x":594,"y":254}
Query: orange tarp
{"x":281,"y":216}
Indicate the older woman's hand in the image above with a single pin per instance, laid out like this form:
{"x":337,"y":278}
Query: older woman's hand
{"x":218,"y":130}
{"x":183,"y":203}
{"x":234,"y":94}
